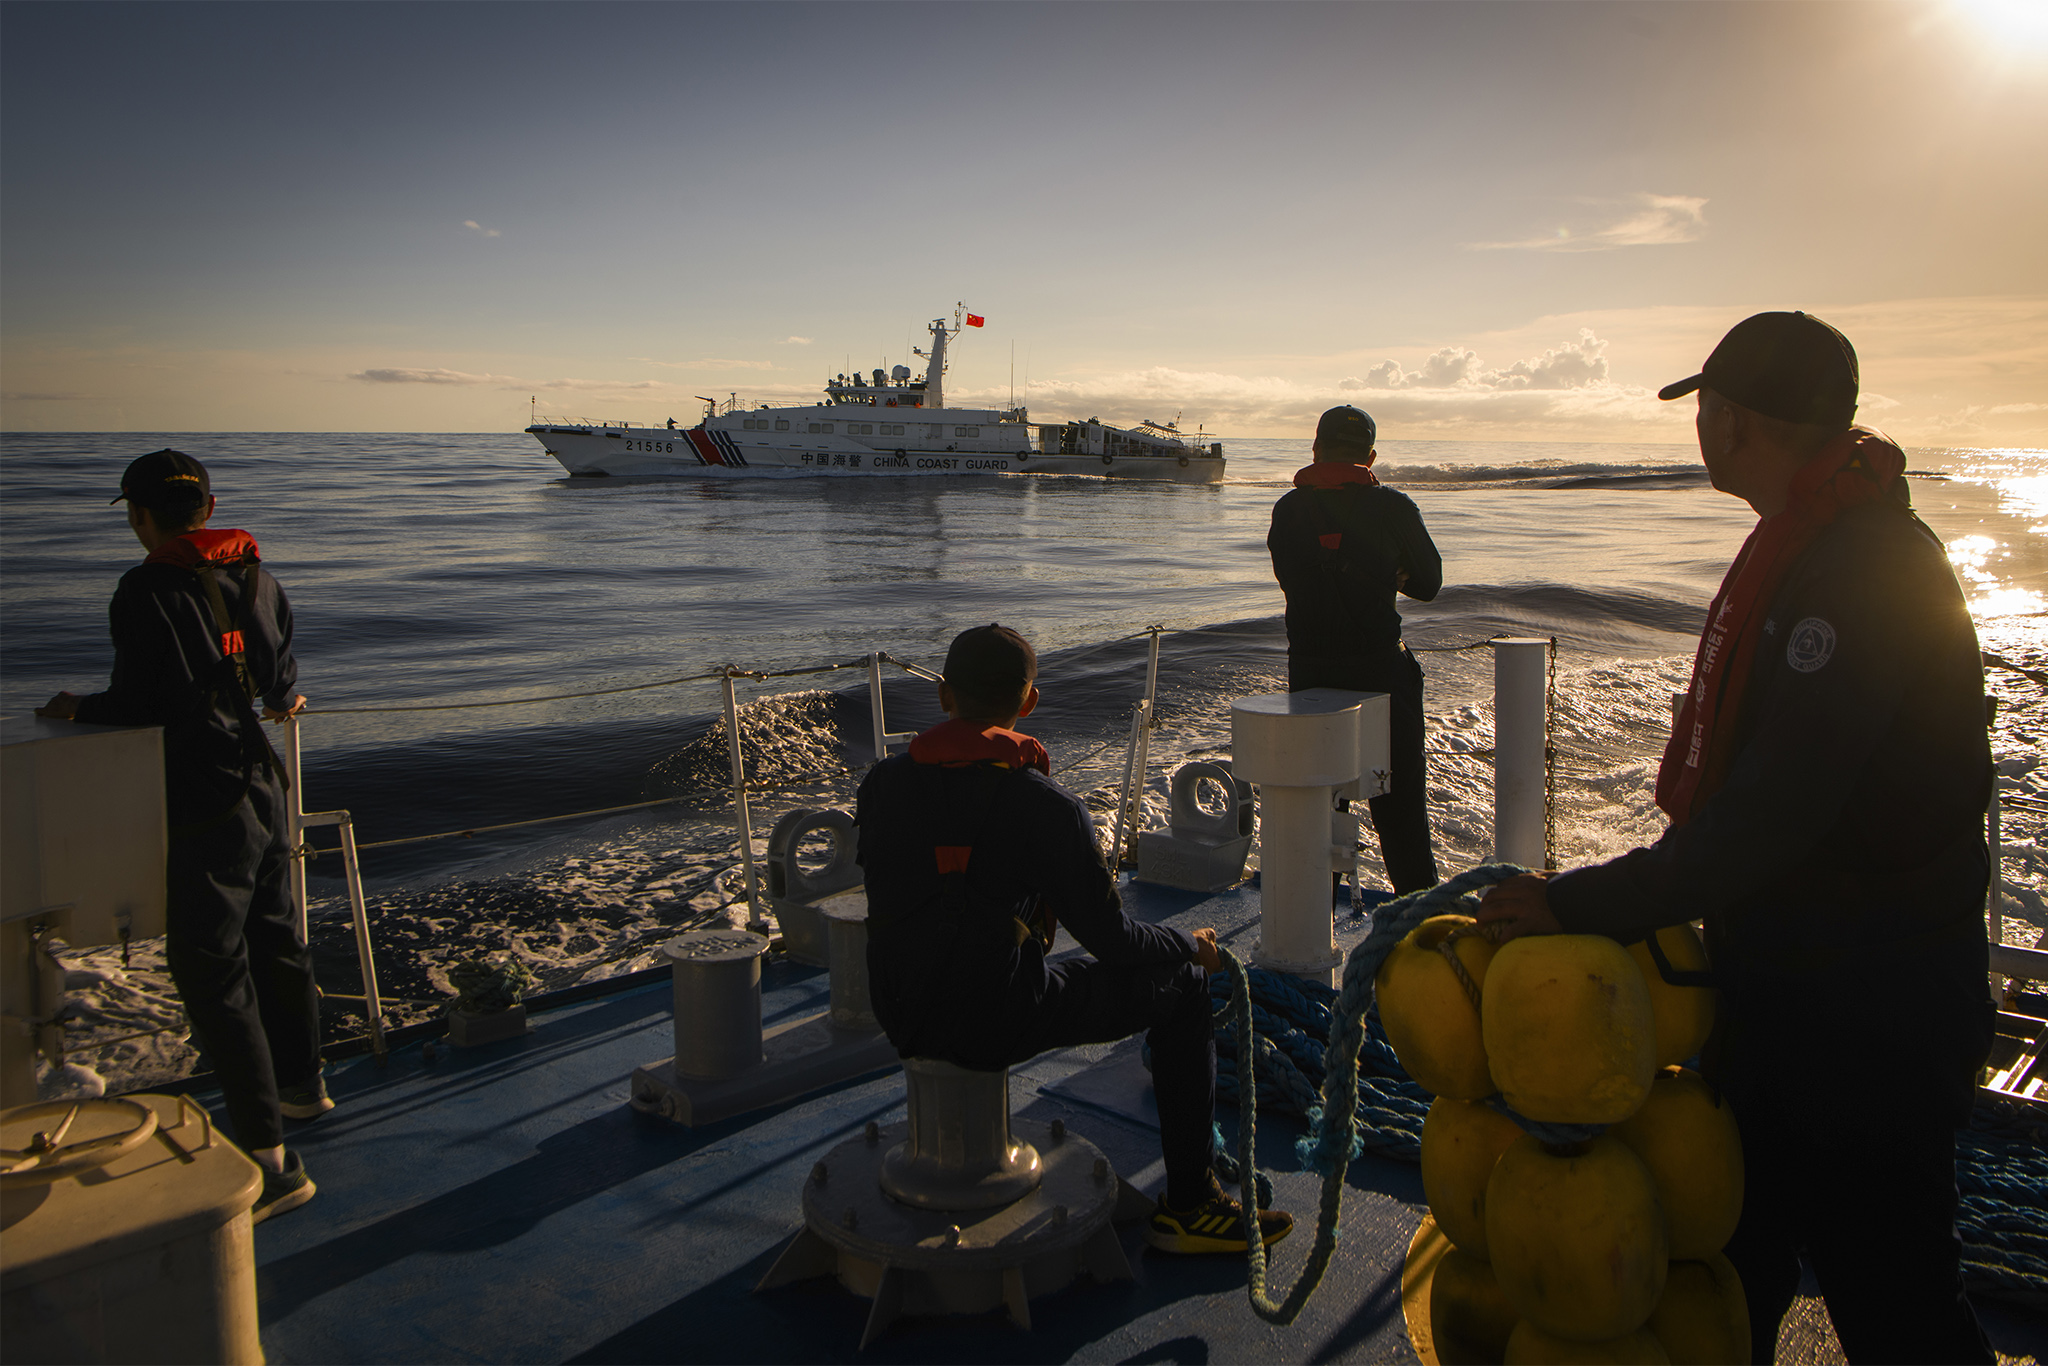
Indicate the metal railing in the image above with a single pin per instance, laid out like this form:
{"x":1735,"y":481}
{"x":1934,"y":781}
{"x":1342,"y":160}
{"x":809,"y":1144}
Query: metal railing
{"x":2017,"y":963}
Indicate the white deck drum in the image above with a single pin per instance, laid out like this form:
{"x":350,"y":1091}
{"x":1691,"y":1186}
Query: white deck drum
{"x":146,"y":1258}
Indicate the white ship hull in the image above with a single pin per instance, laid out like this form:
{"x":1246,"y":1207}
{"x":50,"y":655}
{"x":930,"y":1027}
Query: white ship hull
{"x":715,"y":453}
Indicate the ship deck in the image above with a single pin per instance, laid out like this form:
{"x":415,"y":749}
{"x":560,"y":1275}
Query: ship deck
{"x":504,"y":1203}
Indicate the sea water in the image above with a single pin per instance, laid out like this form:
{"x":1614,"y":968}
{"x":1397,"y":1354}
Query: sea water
{"x":441,"y":584}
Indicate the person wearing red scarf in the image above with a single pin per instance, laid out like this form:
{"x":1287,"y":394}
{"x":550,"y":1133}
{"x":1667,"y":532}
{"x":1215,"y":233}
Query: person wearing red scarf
{"x":973,"y":858}
{"x":1826,"y":781}
{"x":1343,"y":545}
{"x":202,"y":639}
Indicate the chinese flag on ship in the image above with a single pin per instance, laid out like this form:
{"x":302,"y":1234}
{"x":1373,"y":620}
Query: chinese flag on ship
{"x":976,"y":320}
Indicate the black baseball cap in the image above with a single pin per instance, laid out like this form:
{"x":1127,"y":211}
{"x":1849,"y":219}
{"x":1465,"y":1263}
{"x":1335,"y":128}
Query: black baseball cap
{"x":1791,"y":366}
{"x":1347,"y":429}
{"x":990,"y":659}
{"x":165,"y":481}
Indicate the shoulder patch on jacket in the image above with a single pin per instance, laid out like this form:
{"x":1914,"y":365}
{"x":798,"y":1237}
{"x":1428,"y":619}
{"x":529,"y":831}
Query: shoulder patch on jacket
{"x":1812,"y":645}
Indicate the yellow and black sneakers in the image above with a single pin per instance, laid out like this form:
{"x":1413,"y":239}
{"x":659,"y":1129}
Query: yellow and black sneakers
{"x":1214,"y":1225}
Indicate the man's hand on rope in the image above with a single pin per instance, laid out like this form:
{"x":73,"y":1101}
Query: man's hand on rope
{"x":1517,"y":907}
{"x":1205,"y":951}
{"x":274,"y":716}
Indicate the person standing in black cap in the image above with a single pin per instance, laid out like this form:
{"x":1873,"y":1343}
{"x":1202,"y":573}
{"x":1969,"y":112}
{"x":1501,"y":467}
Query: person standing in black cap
{"x":1343,"y":544}
{"x":202,"y":640}
{"x":974,"y":856}
{"x":1826,"y":782}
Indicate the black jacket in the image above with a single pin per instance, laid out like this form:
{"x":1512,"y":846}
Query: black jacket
{"x":1340,"y":598}
{"x":953,"y":962}
{"x":1844,"y":857}
{"x":170,"y":670}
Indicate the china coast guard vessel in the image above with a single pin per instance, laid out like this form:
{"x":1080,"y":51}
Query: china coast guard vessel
{"x":884,"y":424}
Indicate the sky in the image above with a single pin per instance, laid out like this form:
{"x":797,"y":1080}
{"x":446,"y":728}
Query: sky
{"x":1478,"y":221}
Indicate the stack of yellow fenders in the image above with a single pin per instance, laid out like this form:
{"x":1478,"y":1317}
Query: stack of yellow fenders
{"x":1602,"y":1250}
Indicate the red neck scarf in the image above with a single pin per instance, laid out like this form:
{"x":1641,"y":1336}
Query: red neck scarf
{"x":189,"y":549}
{"x":979,"y":742}
{"x":1330,"y":474}
{"x":1856,"y":467}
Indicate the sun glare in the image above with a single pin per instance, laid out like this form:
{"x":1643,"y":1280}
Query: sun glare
{"x":2021,"y":23}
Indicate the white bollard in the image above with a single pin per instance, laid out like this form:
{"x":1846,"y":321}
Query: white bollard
{"x":1520,"y":688}
{"x":1298,"y":747}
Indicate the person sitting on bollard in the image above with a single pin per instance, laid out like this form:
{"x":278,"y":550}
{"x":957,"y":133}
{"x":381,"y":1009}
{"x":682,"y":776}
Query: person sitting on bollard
{"x":973,"y":856}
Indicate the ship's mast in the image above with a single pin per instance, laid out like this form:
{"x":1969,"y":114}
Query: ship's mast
{"x":935,"y":373}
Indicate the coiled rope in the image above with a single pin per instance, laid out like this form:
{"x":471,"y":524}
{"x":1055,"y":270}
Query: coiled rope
{"x":1332,"y":1140}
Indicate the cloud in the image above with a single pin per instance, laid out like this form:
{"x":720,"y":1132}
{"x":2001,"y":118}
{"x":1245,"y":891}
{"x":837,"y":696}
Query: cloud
{"x":794,"y":341}
{"x":475,"y":226}
{"x":1655,"y":220}
{"x":2017,"y":408}
{"x":602,"y":385}
{"x":403,"y":376}
{"x":12,"y":396}
{"x":1565,"y":389}
{"x":1575,"y":365}
{"x":708,"y":363}
{"x":459,"y":377}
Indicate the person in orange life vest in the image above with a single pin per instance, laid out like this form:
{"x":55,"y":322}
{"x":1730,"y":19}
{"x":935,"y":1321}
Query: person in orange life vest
{"x":202,"y":637}
{"x":973,"y":857}
{"x":1826,"y":781}
{"x":1343,"y":544}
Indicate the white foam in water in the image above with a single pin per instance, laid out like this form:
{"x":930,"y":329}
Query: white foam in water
{"x":478,"y":575}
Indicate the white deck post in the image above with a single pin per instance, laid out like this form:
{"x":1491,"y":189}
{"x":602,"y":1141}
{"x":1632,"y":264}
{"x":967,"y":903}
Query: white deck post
{"x":1298,"y":747}
{"x":1519,"y":701}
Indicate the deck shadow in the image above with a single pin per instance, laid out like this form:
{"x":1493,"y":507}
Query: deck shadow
{"x":819,"y":1321}
{"x":569,"y":1167}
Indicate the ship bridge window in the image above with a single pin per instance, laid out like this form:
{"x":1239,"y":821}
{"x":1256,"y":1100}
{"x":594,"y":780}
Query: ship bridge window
{"x":753,"y":424}
{"x":860,"y":429}
{"x":892,"y":429}
{"x":781,"y":424}
{"x":967,"y":431}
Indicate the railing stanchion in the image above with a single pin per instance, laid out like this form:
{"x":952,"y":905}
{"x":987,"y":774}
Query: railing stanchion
{"x":1134,"y":768}
{"x":1152,"y":669}
{"x":1994,"y":905}
{"x":875,"y":706}
{"x":739,"y":797}
{"x":295,"y":824}
{"x":1138,"y":757}
{"x":366,"y":958}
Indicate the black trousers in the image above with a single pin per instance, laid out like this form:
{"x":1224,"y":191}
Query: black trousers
{"x":1868,"y":1192}
{"x":1855,"y":1168}
{"x":1400,"y":818}
{"x":235,"y":954}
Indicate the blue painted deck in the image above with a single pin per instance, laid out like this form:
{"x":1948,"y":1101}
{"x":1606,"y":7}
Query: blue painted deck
{"x":505,"y":1204}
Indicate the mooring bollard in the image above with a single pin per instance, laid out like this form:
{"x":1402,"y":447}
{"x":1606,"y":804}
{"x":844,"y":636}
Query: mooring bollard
{"x":717,"y":986}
